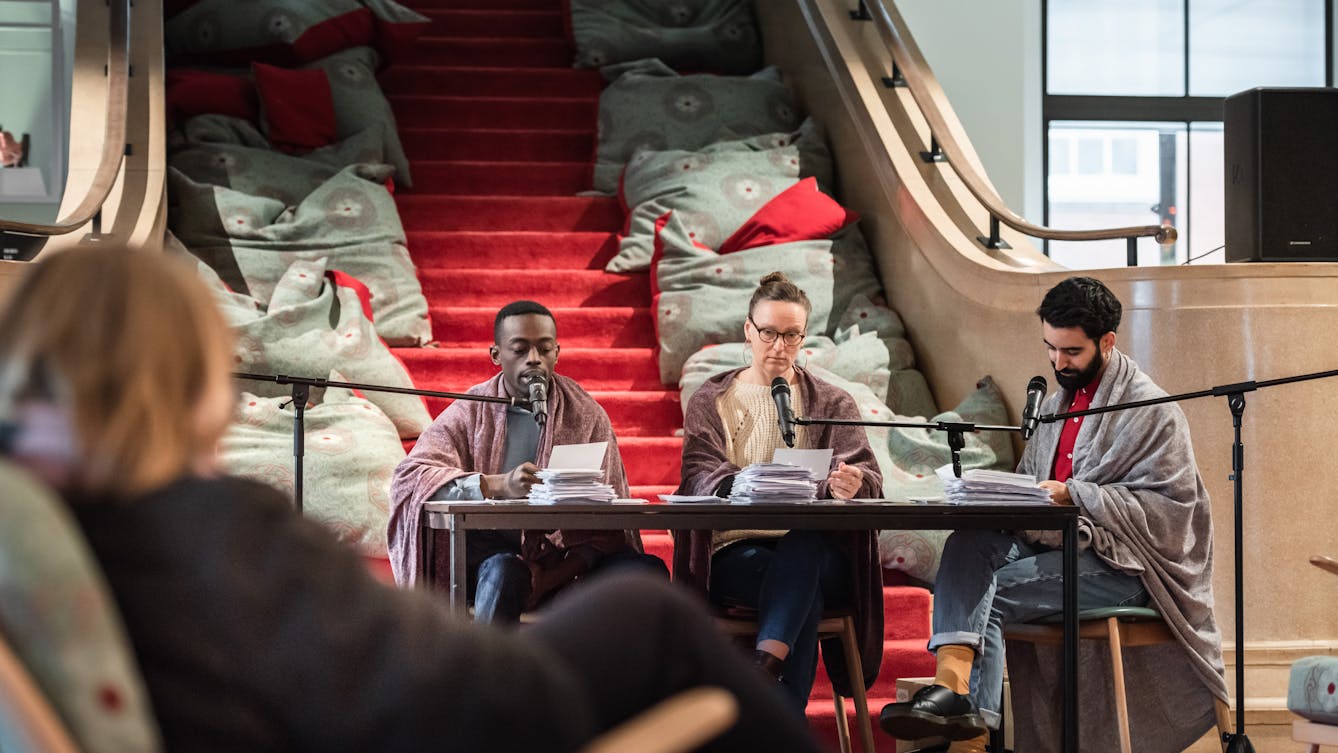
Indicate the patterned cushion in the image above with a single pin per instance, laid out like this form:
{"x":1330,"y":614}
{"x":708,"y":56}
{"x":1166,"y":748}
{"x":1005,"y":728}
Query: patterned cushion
{"x":351,"y":451}
{"x":1312,"y":690}
{"x":350,"y":220}
{"x":318,"y":321}
{"x":699,"y":35}
{"x":713,"y":190}
{"x":649,"y":106}
{"x":286,"y":32}
{"x":58,"y":616}
{"x":220,"y":151}
{"x":359,"y":103}
{"x":704,"y":296}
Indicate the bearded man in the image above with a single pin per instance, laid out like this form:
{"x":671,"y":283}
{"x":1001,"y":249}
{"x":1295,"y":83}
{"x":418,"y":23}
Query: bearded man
{"x":1145,"y":535}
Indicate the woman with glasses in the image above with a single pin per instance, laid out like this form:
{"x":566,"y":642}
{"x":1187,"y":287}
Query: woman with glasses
{"x":788,"y":577}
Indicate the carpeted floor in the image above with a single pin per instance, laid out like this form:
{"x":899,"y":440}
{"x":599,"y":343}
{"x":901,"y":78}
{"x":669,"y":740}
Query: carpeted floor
{"x":501,"y":132}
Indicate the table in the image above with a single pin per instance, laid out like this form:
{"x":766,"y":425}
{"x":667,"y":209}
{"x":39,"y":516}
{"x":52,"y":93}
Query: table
{"x":458,"y":518}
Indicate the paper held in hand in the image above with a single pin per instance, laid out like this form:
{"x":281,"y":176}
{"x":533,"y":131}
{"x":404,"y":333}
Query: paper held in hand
{"x":574,"y":474}
{"x":980,"y":486}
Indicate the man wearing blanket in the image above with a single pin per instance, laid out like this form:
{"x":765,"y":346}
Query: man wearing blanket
{"x":478,"y":450}
{"x":1145,"y":533}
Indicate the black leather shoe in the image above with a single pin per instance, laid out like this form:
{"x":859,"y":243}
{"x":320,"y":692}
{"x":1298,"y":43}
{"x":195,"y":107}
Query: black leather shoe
{"x":933,"y":711}
{"x":768,"y":664}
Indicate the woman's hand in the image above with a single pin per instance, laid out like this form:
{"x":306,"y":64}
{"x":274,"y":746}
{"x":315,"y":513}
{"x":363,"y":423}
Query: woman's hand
{"x":845,"y":481}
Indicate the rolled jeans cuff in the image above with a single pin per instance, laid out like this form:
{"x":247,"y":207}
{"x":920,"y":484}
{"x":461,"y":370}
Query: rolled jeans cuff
{"x":958,"y":638}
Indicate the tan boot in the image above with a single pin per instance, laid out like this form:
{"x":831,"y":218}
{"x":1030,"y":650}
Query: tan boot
{"x":974,"y":745}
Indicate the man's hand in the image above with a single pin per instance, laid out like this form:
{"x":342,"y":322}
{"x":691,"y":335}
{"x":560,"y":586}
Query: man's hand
{"x":1059,"y":493}
{"x":11,"y":151}
{"x":513,"y":485}
{"x":845,"y":481}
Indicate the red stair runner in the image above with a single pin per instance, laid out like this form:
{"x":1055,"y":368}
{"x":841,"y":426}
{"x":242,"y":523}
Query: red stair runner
{"x":500,"y":132}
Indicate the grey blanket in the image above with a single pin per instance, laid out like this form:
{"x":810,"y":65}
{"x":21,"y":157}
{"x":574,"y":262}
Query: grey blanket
{"x":1145,"y":512}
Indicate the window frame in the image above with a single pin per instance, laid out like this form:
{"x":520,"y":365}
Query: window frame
{"x":1184,"y":109}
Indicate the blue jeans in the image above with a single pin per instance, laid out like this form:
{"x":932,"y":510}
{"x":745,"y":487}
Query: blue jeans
{"x":988,"y":579}
{"x":500,"y":581}
{"x":788,"y":581}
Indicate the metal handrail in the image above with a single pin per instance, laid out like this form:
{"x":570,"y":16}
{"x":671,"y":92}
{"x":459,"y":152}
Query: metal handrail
{"x":910,"y":70}
{"x":113,"y":139}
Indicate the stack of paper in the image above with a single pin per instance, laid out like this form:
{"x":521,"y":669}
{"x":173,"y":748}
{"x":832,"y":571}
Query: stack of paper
{"x":984,"y":487}
{"x":571,"y":485}
{"x":761,"y":483}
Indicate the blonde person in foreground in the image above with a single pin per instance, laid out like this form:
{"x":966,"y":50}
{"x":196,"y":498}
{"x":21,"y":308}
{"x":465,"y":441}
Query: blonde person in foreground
{"x":255,"y":630}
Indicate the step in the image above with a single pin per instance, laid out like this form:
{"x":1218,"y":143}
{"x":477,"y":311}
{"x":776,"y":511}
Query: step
{"x":491,"y":145}
{"x":419,"y":111}
{"x":586,"y":327}
{"x":470,"y":22}
{"x":901,"y":658}
{"x":568,"y":288}
{"x":596,"y":369}
{"x":633,"y":414}
{"x":499,"y":52}
{"x":500,"y":178}
{"x":547,"y":213}
{"x":468,"y":249}
{"x":650,"y":460}
{"x":460,"y":81}
{"x":911,"y":618}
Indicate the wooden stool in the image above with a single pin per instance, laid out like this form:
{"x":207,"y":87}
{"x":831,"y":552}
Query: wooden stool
{"x":833,"y":625}
{"x":1120,"y":627}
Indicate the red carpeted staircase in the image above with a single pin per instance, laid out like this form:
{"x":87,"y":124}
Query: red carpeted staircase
{"x":501,"y":134}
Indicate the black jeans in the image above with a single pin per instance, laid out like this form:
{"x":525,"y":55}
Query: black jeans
{"x":632,"y":640}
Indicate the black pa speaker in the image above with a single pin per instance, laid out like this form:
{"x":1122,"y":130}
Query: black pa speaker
{"x":1281,"y":167}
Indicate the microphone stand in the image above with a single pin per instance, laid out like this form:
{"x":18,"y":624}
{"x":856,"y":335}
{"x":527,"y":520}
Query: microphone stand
{"x":301,"y":390}
{"x":1237,"y":742}
{"x":956,"y":431}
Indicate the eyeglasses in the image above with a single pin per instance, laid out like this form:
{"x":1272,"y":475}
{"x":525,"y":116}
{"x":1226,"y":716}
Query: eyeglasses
{"x":769,"y":335}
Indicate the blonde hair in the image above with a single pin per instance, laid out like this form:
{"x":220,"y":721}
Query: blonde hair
{"x":778,"y":287}
{"x":128,"y":344}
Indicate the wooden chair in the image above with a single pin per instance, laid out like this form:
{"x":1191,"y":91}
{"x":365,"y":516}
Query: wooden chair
{"x":739,"y":623}
{"x":1315,"y":734}
{"x":1120,"y":627}
{"x":678,"y":724}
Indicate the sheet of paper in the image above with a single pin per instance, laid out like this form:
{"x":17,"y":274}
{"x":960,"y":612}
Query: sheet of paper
{"x":578,"y":456}
{"x":818,"y":462}
{"x":688,"y":498}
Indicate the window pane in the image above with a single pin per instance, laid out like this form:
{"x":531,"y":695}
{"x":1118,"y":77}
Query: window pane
{"x":1207,"y":217}
{"x":1122,"y":47}
{"x":1142,"y":183}
{"x":1238,"y":44}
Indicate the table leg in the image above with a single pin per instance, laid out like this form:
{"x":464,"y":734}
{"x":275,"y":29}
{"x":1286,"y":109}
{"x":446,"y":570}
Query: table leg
{"x":458,"y":585}
{"x":427,"y":539}
{"x":1070,"y":662}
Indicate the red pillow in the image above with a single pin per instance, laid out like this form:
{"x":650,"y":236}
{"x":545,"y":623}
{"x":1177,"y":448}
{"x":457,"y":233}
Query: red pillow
{"x":191,"y":93}
{"x":799,"y":213}
{"x":298,"y":108}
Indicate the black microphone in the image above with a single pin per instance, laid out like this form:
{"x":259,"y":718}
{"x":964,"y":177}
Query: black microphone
{"x":539,"y":400}
{"x":780,"y":392}
{"x":1031,"y":412}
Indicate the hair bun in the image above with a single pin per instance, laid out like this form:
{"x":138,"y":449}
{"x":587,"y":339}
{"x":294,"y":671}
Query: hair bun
{"x":775,"y":278}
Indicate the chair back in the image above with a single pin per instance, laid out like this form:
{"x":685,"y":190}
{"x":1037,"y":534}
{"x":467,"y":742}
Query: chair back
{"x":61,"y":631}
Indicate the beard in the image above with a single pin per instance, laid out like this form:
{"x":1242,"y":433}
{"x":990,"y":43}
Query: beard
{"x":1076,"y":380}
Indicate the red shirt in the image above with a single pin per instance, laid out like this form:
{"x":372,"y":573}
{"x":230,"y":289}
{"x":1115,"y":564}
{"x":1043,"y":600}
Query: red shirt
{"x":1068,"y":436}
